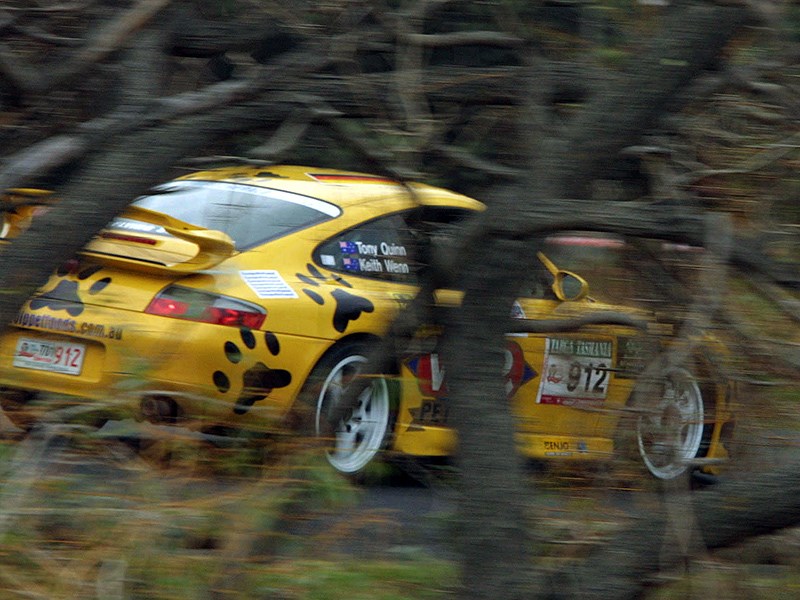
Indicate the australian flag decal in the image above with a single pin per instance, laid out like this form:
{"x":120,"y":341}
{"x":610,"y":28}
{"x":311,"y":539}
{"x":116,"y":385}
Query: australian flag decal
{"x":351,"y":264}
{"x":348,"y":248}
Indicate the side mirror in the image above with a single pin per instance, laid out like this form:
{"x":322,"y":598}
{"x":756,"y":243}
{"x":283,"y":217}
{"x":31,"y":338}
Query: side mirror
{"x":567,"y":286}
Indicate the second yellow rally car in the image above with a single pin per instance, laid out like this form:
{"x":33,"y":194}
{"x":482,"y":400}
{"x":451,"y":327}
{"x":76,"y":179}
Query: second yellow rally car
{"x":227,"y":296}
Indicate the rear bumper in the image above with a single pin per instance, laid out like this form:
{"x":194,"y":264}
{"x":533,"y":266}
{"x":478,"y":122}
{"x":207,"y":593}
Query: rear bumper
{"x":204,"y":368}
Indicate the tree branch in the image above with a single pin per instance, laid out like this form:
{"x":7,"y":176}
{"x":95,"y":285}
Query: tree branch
{"x":462,"y":38}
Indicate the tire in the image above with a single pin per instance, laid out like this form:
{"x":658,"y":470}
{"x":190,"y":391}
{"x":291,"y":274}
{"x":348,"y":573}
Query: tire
{"x":671,"y":427}
{"x":354,"y":443}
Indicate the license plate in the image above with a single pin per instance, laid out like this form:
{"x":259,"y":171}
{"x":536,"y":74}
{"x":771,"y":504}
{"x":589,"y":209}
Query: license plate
{"x":45,"y":355}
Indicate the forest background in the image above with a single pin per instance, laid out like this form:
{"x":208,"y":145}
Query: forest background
{"x":639,"y":119}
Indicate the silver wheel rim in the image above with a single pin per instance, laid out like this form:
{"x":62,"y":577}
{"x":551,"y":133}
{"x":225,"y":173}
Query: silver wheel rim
{"x":359,"y":438}
{"x":670,"y":435}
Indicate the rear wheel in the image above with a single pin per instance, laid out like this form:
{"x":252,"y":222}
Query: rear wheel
{"x":354,"y":441}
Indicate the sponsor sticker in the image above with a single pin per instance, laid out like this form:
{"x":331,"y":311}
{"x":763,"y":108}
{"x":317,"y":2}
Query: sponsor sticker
{"x":576,"y":372}
{"x":268,"y":284}
{"x":430,"y":372}
{"x":98,"y":330}
{"x":633,"y":355}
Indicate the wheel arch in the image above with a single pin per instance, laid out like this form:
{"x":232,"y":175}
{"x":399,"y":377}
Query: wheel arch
{"x":362,"y":338}
{"x":368,"y":339}
{"x":719,"y":394}
{"x":355,"y":338}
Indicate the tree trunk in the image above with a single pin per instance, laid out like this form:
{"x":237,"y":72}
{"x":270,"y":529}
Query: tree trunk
{"x":495,"y":541}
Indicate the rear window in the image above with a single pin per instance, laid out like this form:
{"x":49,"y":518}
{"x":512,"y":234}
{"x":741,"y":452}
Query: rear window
{"x":250,"y":215}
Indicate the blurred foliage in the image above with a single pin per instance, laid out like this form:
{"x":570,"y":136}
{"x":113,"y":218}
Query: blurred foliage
{"x":181,"y":519}
{"x":81,"y":513}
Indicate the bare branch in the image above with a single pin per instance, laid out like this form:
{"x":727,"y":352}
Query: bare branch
{"x":613,"y":121}
{"x":462,"y":38}
{"x":109,"y":39}
{"x":17,"y":74}
{"x":563,"y":325}
{"x":43,"y":36}
{"x":53,"y":8}
{"x":771,"y":154}
{"x":287,"y":136}
{"x":40,"y":158}
{"x":28,"y":79}
{"x":463,"y":158}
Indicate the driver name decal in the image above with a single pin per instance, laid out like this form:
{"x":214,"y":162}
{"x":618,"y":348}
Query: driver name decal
{"x":379,"y":257}
{"x":575,"y":372}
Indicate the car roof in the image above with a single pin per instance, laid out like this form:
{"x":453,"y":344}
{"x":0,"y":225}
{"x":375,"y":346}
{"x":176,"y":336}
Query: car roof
{"x":343,"y":188}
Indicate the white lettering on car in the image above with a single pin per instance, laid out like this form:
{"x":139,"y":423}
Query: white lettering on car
{"x":367,"y":249}
{"x":392,"y":250}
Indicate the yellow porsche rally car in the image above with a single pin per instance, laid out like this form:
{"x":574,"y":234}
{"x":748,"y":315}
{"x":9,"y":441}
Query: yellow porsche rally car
{"x":226,"y":297}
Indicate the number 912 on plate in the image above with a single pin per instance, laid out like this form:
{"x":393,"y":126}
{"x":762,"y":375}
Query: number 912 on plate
{"x":47,"y":355}
{"x":576,"y":372}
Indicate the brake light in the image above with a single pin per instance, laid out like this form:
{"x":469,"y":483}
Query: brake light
{"x":125,"y":237}
{"x":167,"y":307}
{"x":193,"y":305}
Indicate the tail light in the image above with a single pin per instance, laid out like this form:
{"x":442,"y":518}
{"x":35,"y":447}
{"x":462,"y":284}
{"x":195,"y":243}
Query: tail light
{"x":126,"y":237}
{"x":193,"y":305}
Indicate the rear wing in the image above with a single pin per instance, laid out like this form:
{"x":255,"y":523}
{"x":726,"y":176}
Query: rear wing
{"x":212,"y":246}
{"x":19,"y":207}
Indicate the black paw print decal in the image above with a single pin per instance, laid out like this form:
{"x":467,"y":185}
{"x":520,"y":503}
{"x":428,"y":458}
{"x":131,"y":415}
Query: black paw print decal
{"x":348,"y":306}
{"x":258,"y":380}
{"x":64,"y":296}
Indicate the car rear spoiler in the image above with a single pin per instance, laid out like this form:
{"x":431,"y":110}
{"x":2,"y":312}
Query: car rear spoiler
{"x":212,"y":246}
{"x":14,"y":197}
{"x":18,"y":206}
